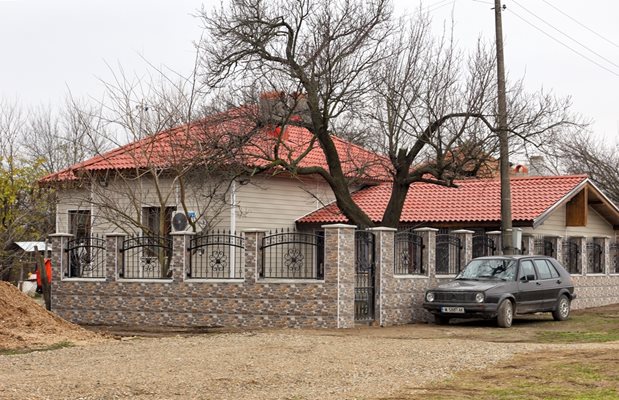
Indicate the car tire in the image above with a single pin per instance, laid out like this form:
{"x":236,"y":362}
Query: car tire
{"x":441,"y":320}
{"x":505,"y":315}
{"x":562,"y":310}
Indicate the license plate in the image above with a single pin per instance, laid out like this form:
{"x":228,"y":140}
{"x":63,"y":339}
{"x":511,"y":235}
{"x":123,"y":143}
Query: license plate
{"x":453,"y":310}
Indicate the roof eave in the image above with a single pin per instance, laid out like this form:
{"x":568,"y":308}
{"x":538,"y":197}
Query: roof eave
{"x":567,"y":197}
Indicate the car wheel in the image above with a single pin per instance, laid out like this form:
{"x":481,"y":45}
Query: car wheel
{"x":505,"y":315}
{"x":441,"y":320}
{"x":562,"y":311}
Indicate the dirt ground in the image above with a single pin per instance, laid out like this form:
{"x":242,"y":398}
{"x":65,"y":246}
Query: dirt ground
{"x":360,"y":363}
{"x":25,"y":324}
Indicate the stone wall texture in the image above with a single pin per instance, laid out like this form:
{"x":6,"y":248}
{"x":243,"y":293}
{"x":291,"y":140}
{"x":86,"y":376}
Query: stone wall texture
{"x":252,"y":302}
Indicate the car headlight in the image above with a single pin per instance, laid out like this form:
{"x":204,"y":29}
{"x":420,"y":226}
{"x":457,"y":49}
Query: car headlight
{"x":479,"y":297}
{"x":429,"y":297}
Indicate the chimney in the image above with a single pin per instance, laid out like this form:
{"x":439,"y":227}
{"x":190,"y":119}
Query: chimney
{"x":278,"y":108}
{"x":537,"y":165}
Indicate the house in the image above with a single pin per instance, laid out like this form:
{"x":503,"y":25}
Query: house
{"x":123,"y":260}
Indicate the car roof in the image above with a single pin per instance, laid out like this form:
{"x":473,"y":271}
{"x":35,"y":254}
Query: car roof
{"x":512,"y":257}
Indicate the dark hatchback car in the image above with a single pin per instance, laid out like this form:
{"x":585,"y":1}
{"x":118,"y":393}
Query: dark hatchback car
{"x":502,"y":286}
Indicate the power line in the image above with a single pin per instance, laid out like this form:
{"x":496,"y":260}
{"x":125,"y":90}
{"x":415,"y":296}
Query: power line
{"x":437,"y":5}
{"x":565,"y":45}
{"x":581,"y":24}
{"x":565,"y":34}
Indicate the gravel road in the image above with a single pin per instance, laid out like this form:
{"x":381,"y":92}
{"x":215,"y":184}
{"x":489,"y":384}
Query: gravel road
{"x":283,"y":364}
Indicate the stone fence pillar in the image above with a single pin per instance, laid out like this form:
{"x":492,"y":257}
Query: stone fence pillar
{"x":466,"y":241}
{"x":180,"y":254}
{"x":495,"y":236}
{"x":604,"y":243}
{"x":114,"y":259}
{"x":60,"y":261}
{"x":581,"y":241}
{"x":428,"y":237}
{"x":340,"y":270}
{"x":253,"y":254}
{"x":385,"y":263}
{"x":557,"y":246}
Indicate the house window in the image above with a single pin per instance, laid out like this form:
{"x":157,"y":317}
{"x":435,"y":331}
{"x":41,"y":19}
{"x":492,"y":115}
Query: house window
{"x":79,"y":223}
{"x":151,"y":221}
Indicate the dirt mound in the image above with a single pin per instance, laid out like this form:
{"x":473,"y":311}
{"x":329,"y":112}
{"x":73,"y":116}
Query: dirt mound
{"x":26,"y":324}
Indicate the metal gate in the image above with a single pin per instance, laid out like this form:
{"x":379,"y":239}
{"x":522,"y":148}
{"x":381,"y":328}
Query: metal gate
{"x":364,"y":276}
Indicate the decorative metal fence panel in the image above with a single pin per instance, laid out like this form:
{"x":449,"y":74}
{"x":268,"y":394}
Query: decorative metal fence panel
{"x":594,"y":258}
{"x":293,"y":255}
{"x":614,"y":258}
{"x":544,"y":247}
{"x":483,"y":246}
{"x":408,"y":254}
{"x":86,"y":257}
{"x":571,"y":257}
{"x":448,"y":254}
{"x":216,"y":255}
{"x":146,"y":257}
{"x":364,"y":276}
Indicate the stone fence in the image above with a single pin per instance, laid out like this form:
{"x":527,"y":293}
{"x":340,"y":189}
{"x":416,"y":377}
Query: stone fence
{"x":250,"y":301}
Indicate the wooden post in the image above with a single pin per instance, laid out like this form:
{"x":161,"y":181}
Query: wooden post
{"x":45,"y":284}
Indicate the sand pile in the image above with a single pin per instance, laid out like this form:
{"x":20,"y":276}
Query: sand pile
{"x":26,"y":324}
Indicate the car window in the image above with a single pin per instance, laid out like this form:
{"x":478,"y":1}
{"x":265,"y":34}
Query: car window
{"x":544,"y":269}
{"x":553,"y":271}
{"x":526,"y":268}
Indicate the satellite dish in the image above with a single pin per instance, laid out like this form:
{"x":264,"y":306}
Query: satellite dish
{"x":179,"y":222}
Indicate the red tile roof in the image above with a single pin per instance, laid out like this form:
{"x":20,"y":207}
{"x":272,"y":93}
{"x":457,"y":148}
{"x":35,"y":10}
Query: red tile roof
{"x":192,"y":141}
{"x":474,"y":200}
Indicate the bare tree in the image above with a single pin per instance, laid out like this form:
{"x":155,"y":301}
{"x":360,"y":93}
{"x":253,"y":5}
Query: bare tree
{"x":431,"y":108}
{"x":585,"y":154}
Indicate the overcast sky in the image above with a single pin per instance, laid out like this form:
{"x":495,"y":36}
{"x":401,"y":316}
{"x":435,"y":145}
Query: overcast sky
{"x":49,"y":46}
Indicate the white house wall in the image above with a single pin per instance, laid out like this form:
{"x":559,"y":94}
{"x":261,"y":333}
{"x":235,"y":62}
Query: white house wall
{"x":276,"y":202}
{"x":264,"y":203}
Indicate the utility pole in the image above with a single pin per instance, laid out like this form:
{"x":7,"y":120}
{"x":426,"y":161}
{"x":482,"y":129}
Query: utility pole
{"x":506,"y":195}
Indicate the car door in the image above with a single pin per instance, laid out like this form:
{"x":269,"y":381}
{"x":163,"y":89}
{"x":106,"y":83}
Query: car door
{"x":550,"y":283}
{"x":529,"y":296}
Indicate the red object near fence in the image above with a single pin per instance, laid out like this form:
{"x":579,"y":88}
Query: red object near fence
{"x":48,"y":272}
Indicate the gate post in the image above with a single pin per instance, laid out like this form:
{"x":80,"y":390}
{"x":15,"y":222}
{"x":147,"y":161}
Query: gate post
{"x":529,"y":244}
{"x":466,"y":243}
{"x":59,"y":256}
{"x":113,"y":257}
{"x":496,"y":238}
{"x":385,"y":254}
{"x":340,"y":270}
{"x":428,"y":235}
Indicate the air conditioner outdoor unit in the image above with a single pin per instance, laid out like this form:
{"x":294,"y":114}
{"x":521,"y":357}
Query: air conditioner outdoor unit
{"x":180,"y":222}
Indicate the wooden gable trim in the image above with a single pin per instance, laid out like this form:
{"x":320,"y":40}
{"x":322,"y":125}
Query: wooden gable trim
{"x":577,"y":209}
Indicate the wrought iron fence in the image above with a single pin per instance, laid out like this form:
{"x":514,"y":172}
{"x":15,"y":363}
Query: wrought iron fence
{"x":408,"y":254}
{"x":448,"y":254}
{"x":293,"y":255}
{"x":571,"y":257}
{"x":614,"y":257}
{"x":544,"y":247}
{"x":594,"y":258}
{"x":86,"y":257}
{"x":216,"y":255}
{"x":483,"y":246}
{"x":146,"y":257}
{"x":365,"y":264}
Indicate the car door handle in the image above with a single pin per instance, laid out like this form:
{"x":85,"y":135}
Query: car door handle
{"x":559,"y":281}
{"x":538,"y":284}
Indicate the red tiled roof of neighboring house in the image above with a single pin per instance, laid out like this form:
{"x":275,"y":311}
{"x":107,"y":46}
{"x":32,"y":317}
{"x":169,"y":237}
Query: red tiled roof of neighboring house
{"x":474,"y":200}
{"x":195,"y":141}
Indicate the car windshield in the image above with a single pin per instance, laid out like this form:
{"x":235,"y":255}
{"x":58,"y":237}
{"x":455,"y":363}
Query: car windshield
{"x":489,"y":269}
